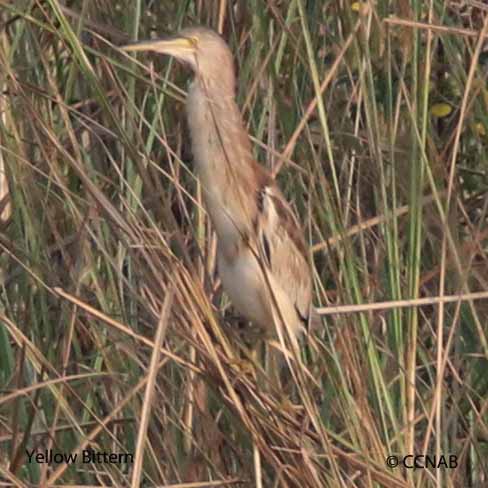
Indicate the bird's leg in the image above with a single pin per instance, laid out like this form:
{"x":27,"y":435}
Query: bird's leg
{"x":255,"y":346}
{"x":274,"y":362}
{"x":248,"y":341}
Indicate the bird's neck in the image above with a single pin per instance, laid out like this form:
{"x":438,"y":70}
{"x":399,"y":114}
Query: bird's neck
{"x":227,"y":170}
{"x":220,"y":142}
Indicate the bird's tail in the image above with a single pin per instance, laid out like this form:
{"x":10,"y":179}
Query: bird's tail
{"x":315,"y":321}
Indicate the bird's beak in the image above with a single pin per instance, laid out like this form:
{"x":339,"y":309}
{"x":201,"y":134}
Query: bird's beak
{"x":177,"y":46}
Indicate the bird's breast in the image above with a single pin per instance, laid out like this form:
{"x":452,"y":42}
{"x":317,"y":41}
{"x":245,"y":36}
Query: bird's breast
{"x":243,"y":283}
{"x":230,"y":235}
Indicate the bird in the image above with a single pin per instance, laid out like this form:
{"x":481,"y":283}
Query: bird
{"x":262,"y":258}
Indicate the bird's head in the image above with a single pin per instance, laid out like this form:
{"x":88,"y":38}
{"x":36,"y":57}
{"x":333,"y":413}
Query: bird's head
{"x":202,"y":49}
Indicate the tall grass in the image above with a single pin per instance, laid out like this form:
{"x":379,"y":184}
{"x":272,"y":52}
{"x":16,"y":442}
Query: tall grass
{"x":115,"y":335}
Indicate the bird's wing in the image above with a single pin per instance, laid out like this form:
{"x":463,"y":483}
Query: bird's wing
{"x":283,"y":247}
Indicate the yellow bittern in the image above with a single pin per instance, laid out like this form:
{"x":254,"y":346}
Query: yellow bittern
{"x":262,"y":256}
